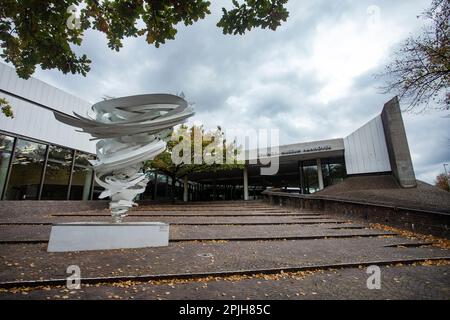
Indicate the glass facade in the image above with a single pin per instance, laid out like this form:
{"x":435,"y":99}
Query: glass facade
{"x":30,"y":170}
{"x":57,"y":173}
{"x":82,"y":177}
{"x":81,"y":184}
{"x":333,"y":171}
{"x":310,"y":176}
{"x":6,"y":147}
{"x":26,"y":171}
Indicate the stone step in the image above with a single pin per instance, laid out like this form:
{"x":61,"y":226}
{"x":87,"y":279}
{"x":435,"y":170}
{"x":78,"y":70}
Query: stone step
{"x":41,"y":233}
{"x":32,"y":262}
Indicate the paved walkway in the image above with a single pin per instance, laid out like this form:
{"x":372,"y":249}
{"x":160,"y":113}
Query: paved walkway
{"x":234,"y":240}
{"x":397,"y":282}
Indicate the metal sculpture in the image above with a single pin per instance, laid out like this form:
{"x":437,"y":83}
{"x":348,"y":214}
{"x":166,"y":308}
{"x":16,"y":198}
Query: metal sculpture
{"x":130,"y":131}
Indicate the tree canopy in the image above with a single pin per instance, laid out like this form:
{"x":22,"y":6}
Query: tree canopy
{"x":202,"y":144}
{"x":36,"y":32}
{"x":442,"y":182}
{"x":420,"y":70}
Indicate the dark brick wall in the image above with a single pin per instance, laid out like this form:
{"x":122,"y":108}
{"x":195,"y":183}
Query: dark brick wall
{"x":424,"y":222}
{"x":47,"y":207}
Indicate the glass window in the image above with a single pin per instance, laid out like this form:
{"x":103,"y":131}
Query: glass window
{"x":333,"y":170}
{"x":82,"y":177}
{"x":81,"y":184}
{"x":161,"y":188}
{"x":6,"y":145}
{"x":60,"y":154}
{"x":57,"y":173}
{"x":310,"y":176}
{"x":82,"y":159}
{"x":26,"y":171}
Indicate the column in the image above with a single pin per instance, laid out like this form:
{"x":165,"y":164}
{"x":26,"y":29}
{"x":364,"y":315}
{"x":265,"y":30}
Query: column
{"x":155,"y":189}
{"x":166,"y":192}
{"x":301,"y":180}
{"x":245,"y":183}
{"x":185,"y":189}
{"x":87,"y":184}
{"x":319,"y":174}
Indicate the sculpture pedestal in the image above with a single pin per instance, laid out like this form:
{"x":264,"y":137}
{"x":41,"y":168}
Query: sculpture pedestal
{"x":84,"y":236}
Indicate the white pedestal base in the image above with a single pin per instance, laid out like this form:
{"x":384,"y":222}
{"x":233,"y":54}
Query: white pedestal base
{"x":83,"y":236}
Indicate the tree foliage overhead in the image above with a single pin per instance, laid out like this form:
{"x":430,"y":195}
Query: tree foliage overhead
{"x":35,"y":32}
{"x":253,"y":13}
{"x":420,"y":71}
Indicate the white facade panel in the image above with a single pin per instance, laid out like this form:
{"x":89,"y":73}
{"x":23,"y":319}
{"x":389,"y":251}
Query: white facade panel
{"x":39,"y":91}
{"x":366,"y":150}
{"x":11,"y":81}
{"x":36,"y":122}
{"x":3,"y":79}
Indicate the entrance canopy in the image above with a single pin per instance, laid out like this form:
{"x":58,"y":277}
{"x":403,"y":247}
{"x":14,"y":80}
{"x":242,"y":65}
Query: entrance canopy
{"x":291,"y":158}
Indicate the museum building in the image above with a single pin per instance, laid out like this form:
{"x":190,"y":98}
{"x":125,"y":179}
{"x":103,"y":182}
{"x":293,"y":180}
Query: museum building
{"x":43,"y":159}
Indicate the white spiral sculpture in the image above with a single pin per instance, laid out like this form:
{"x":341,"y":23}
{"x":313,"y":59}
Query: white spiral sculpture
{"x":130,"y":131}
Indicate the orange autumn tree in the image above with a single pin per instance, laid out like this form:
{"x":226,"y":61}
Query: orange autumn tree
{"x":442,"y":182}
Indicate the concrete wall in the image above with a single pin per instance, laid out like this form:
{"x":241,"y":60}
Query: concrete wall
{"x":366,"y":150}
{"x":38,"y":122}
{"x":421,"y":221}
{"x":13,"y":209}
{"x":397,"y":144}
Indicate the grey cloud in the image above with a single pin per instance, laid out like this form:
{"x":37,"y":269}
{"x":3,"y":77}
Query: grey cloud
{"x":262,"y":79}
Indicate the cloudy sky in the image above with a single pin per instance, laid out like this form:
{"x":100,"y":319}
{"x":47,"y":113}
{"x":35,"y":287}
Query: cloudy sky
{"x":312,"y":78}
